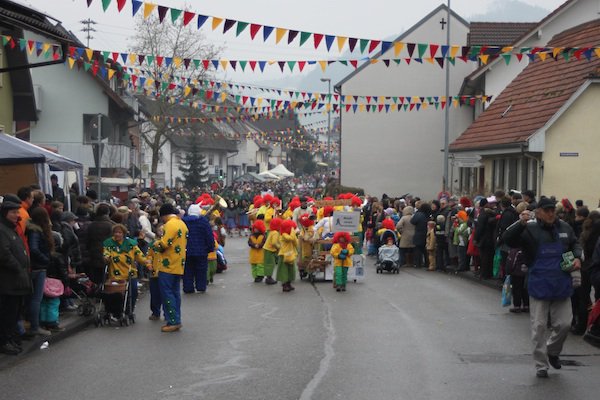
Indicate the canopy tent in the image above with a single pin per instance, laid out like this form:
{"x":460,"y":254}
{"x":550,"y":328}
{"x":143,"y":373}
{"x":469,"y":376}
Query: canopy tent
{"x":268,"y":176}
{"x":27,"y":161}
{"x":250,"y":177}
{"x":281,"y":171}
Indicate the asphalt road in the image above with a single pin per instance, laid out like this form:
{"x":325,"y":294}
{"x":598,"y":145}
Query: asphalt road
{"x":415,"y":335}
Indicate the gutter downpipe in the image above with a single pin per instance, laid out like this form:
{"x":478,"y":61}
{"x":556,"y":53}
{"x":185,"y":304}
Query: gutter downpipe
{"x":539,"y":170}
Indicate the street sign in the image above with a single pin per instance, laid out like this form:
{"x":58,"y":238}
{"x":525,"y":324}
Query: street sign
{"x":344,"y":221}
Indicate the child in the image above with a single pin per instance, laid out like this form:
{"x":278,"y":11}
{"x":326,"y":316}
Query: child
{"x":461,"y":239}
{"x":288,"y":252}
{"x":307,"y":233}
{"x":430,"y":244}
{"x":212,"y":259}
{"x":389,"y":252}
{"x":153,"y":265}
{"x":271,"y":248}
{"x":256,"y":241}
{"x":342,"y":252}
{"x":441,"y":245}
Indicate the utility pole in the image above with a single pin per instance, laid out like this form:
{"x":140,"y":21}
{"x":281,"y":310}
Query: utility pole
{"x":447,"y":185}
{"x":88,"y":29}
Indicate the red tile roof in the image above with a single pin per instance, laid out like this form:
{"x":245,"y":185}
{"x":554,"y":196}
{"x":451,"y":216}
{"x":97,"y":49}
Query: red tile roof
{"x":535,"y":95}
{"x":497,"y":33}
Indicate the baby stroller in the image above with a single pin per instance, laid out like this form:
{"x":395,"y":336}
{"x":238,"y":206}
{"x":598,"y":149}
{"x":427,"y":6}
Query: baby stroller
{"x":116,"y":297}
{"x":388,"y":257}
{"x":83,"y":289}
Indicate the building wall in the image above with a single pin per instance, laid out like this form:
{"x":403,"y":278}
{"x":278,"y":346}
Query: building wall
{"x":400,"y":152}
{"x":576,"y":131}
{"x":6,"y":97}
{"x":65,"y":96}
{"x":500,"y":75}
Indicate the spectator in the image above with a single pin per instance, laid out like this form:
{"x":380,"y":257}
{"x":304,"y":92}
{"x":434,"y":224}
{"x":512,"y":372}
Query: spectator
{"x":98,"y":231}
{"x":58,"y":194}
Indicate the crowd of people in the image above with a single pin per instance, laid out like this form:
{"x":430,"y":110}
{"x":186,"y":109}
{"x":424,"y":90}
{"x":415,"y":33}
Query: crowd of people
{"x":549,"y":248}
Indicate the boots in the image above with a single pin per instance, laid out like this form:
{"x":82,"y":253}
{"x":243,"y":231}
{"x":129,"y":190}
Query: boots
{"x":290,"y":286}
{"x":286,"y":287}
{"x":270,"y":281}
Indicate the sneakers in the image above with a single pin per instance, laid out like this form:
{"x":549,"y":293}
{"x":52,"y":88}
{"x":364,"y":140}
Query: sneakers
{"x":541,"y":373}
{"x":170,"y":328}
{"x":555,"y":362}
{"x":153,"y":317}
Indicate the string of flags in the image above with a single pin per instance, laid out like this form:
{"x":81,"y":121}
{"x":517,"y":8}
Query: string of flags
{"x":342,"y":43}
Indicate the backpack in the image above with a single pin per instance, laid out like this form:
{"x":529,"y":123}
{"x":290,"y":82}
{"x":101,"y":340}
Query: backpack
{"x":515,"y":261}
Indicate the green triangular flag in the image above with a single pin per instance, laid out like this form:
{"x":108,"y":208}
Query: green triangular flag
{"x":525,"y":50}
{"x":567,"y":54}
{"x":304,"y":36}
{"x":507,"y":58}
{"x":240,"y":27}
{"x":149,"y":60}
{"x":106,"y":55}
{"x":243,"y":64}
{"x":197,"y":63}
{"x":405,"y":107}
{"x":452,"y":60}
{"x":422,"y":49}
{"x":4,"y":40}
{"x":394,"y":99}
{"x":397,"y":61}
{"x":437,"y":105}
{"x":343,"y":62}
{"x":175,"y":13}
{"x":164,"y":86}
{"x":105,"y":4}
{"x":363,"y":45}
{"x":475,"y":50}
{"x":86,"y":66}
{"x":291,"y":64}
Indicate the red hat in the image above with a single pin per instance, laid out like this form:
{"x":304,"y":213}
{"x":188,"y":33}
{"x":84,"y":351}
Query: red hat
{"x":259,"y":225}
{"x":258,"y":202}
{"x":465,"y":202}
{"x":202,"y":198}
{"x":338,"y":235}
{"x":356,"y":201}
{"x":327,"y":211}
{"x":275,"y":224}
{"x":388,"y":224}
{"x":287,"y":226}
{"x":294,"y":204}
{"x":267,"y":198}
{"x":314,"y":210}
{"x":567,"y":205}
{"x":275,"y":202}
{"x":328,"y":198}
{"x":462,"y":215}
{"x":305,"y":220}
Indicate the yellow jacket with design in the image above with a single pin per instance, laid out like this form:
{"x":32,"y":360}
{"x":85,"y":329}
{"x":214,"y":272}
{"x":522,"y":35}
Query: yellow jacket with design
{"x":272,"y":243}
{"x":336,"y":251}
{"x":289,"y":246}
{"x":256,"y":243}
{"x":213,"y":254}
{"x":172,"y":246}
{"x":155,"y":260}
{"x":269,"y":214}
{"x":122,"y":257}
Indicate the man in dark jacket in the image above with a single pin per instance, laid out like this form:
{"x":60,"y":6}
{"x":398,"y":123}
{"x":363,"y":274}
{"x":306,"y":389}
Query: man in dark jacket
{"x":98,"y":231}
{"x":419,"y":220}
{"x":544,"y":242}
{"x":200,"y":242}
{"x":15,"y":282}
{"x":484,"y":236}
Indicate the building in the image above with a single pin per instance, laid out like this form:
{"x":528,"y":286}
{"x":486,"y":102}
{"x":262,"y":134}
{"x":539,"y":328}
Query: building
{"x":401,"y":151}
{"x":541,"y":132}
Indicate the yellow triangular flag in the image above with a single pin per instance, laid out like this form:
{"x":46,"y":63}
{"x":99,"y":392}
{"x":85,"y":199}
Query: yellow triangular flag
{"x":328,"y":107}
{"x":45,"y":47}
{"x":543,"y":55}
{"x":361,"y":107}
{"x":425,"y":105}
{"x":279,"y":33}
{"x":484,"y":58}
{"x":186,"y":91}
{"x":111,"y":72}
{"x":148,"y":8}
{"x":259,"y":101}
{"x":150,"y":82}
{"x":341,"y":41}
{"x":177,"y":61}
{"x":382,"y":99}
{"x":216,"y":22}
{"x":454,"y":51}
{"x":323,"y":65}
{"x":348,"y":99}
{"x":293,"y":104}
{"x":455,"y":103}
{"x":398,"y":47}
{"x":507,"y":49}
{"x":89,"y":53}
{"x":132,"y":58}
{"x":556,"y":51}
{"x":224,"y":64}
{"x":223,"y":96}
{"x":597,"y":51}
{"x":71,"y":62}
{"x":430,"y":60}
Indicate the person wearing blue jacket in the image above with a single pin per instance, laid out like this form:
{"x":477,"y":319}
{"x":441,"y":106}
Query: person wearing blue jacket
{"x":200,"y":243}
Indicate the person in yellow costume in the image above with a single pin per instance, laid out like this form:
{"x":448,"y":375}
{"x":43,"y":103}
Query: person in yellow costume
{"x":256,"y":256}
{"x":288,"y":252}
{"x":212,"y":261}
{"x":172,"y":247}
{"x":341,"y":251}
{"x":307,"y":240}
{"x":271,"y":211}
{"x":154,"y":259}
{"x":271,"y":249}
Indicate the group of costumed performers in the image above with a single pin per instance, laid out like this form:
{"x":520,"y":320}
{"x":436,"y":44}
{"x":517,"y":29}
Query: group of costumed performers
{"x":283,"y":238}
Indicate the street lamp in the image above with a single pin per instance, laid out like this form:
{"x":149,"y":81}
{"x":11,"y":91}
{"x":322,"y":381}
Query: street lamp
{"x":328,"y":80}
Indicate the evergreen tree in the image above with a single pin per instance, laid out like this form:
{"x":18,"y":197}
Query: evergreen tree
{"x":193,"y":168}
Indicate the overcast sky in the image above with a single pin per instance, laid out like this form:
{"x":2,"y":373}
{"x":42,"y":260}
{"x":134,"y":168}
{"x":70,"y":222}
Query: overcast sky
{"x":371,"y":19}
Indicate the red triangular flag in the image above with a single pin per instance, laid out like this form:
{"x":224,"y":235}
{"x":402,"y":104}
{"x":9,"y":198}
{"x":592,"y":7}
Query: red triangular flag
{"x":254,"y":28}
{"x":121,"y":4}
{"x":317,"y":37}
{"x":188,"y":17}
{"x":373,"y":45}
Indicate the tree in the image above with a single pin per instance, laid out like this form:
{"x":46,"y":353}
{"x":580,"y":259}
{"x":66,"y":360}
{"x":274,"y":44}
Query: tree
{"x":177,"y":42}
{"x":193,"y":167}
{"x":302,"y":161}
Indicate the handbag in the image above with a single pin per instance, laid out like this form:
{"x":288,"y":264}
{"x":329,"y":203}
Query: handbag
{"x":497,"y":263}
{"x":506,"y":292}
{"x":53,"y":288}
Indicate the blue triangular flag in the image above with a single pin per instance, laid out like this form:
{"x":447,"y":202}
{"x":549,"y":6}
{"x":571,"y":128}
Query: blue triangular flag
{"x":267,"y":32}
{"x":135,"y":6}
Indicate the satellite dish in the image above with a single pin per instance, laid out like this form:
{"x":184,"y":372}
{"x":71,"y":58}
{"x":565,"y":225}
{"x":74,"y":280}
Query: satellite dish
{"x":106,"y":128}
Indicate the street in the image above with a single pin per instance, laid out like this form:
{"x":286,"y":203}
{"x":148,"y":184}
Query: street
{"x":415,"y":335}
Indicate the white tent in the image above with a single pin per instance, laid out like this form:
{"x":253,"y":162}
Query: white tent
{"x":281,"y":171}
{"x":268,"y":176}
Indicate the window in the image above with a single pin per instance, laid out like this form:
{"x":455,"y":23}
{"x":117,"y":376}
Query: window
{"x":211,"y":159}
{"x":513,"y":173}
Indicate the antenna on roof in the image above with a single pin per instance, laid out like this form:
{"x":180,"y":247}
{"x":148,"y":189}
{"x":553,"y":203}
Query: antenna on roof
{"x":88,"y":29}
{"x":506,"y":111}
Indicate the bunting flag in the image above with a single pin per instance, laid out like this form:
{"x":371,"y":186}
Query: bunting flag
{"x":344,"y":43}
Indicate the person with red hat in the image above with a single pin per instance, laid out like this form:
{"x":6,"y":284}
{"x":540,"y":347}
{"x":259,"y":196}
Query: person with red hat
{"x":288,"y":252}
{"x":256,"y":241}
{"x":341,"y":251}
{"x":271,"y":248}
{"x":307,"y":236}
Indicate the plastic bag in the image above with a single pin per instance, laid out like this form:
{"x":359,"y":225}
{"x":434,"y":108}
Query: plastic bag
{"x":497,"y":262}
{"x":506,"y":292}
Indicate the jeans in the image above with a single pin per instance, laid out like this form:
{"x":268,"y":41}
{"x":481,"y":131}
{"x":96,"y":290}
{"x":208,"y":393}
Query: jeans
{"x":155,"y":299}
{"x":170,"y":293}
{"x":38,"y":278}
{"x":195,"y":274}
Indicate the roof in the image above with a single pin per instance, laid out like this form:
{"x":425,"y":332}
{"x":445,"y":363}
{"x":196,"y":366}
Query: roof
{"x":535,"y":95}
{"x":205,"y":142}
{"x":28,"y":18}
{"x":477,"y":73}
{"x":16,"y":151}
{"x":497,"y":33}
{"x":401,"y":38}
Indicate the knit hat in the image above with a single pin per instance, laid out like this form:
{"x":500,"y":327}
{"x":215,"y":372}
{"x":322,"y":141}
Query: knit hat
{"x":388,"y":224}
{"x":287,"y":226}
{"x":167,"y":209}
{"x":304,"y":220}
{"x":338,"y":235}
{"x":68,"y":216}
{"x":356,"y":201}
{"x":194,"y":209}
{"x":462,"y":215}
{"x":259,"y":225}
{"x":275,"y":202}
{"x":327,"y":211}
{"x":275,"y":224}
